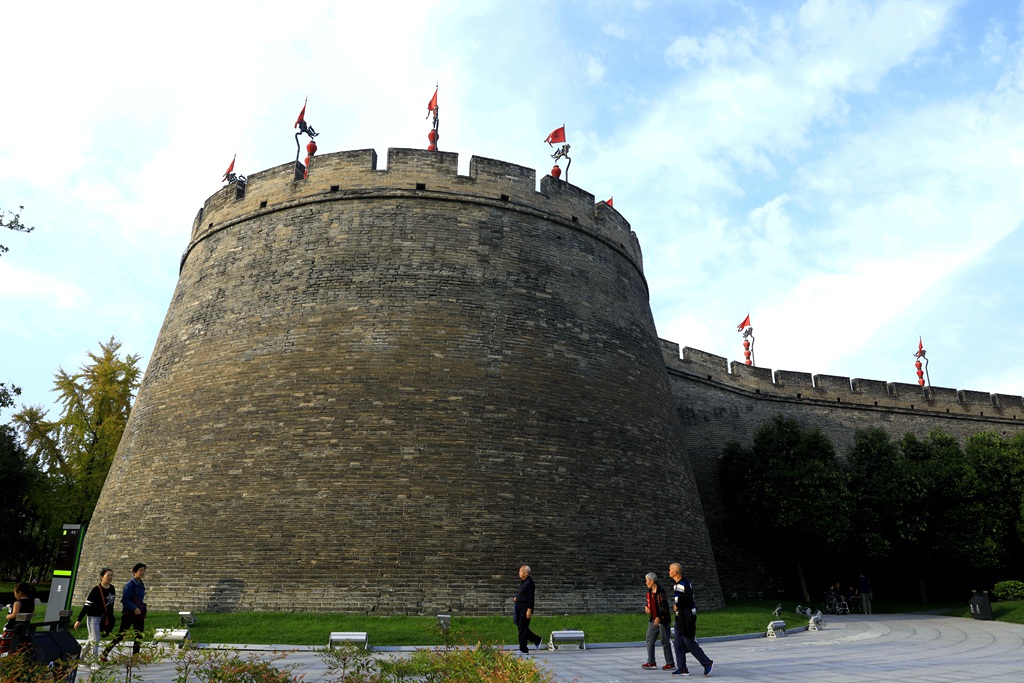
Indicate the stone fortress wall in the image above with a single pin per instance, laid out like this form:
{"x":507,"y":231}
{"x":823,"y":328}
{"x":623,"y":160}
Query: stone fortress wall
{"x":381,"y":391}
{"x":718,"y":401}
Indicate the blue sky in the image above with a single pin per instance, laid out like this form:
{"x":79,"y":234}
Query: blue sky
{"x":848,"y":172}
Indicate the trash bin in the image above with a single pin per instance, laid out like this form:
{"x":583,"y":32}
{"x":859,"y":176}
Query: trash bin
{"x":980,"y":606}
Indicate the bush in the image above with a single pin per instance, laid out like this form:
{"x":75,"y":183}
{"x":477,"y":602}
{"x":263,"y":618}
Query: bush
{"x":1009,"y":590}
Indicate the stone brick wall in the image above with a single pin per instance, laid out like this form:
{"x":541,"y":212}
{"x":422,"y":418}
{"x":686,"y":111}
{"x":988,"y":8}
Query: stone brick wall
{"x":720,"y":402}
{"x":382,"y":391}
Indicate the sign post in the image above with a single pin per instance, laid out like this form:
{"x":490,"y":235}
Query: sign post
{"x":64,"y":570}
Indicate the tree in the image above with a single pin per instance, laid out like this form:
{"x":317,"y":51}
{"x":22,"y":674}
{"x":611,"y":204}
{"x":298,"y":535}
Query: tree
{"x":786,"y":494}
{"x":12,"y":222}
{"x":17,"y":481}
{"x":886,"y":495}
{"x":75,"y":451}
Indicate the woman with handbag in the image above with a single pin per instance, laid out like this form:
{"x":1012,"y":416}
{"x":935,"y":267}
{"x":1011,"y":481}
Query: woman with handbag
{"x":99,"y":610}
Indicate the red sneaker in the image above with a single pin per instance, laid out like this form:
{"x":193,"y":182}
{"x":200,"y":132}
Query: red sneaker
{"x":648,"y":665}
{"x":669,"y":667}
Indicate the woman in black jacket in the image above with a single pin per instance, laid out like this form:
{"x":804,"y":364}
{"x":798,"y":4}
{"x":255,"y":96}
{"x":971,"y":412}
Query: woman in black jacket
{"x":99,"y":610}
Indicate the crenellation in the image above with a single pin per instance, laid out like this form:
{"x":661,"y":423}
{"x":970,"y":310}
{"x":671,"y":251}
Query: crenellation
{"x":574,"y":203}
{"x":975,"y":398}
{"x":719,"y":365}
{"x":907,"y":392}
{"x":518,"y":183}
{"x":413,"y":166}
{"x":751,"y":375}
{"x":833,"y":383}
{"x":670,"y":352}
{"x":794,"y":380}
{"x":1007,"y":402}
{"x":349,"y":175}
{"x":942,"y":395}
{"x":870,"y":388}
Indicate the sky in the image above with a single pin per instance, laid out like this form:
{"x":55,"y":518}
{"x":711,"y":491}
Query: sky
{"x":848,"y":172}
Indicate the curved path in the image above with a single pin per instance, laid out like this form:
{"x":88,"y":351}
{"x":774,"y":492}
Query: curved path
{"x":882,"y":648}
{"x":912,"y":648}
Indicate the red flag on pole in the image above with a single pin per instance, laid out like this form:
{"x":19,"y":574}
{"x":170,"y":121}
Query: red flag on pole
{"x":230,"y":168}
{"x":744,"y":325}
{"x":557,"y":135}
{"x":431,"y":104}
{"x":920,"y":345}
{"x":610,"y":202}
{"x":302,"y":115}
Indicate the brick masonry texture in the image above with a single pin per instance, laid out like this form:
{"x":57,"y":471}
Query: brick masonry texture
{"x":381,"y":391}
{"x":720,"y":402}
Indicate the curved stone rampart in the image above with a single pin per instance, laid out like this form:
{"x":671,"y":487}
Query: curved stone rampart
{"x":383,"y":391}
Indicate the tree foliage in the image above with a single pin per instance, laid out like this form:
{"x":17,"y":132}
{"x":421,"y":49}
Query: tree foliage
{"x":786,"y":494}
{"x":75,"y":451}
{"x":928,"y":505}
{"x":12,"y":221}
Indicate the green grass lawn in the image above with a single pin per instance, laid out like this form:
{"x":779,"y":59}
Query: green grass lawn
{"x":738,"y":617}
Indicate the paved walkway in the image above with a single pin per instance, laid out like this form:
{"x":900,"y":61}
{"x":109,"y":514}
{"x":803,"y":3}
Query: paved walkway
{"x":881,"y":648}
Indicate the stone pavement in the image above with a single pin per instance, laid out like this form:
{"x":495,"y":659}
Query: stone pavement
{"x":910,"y":648}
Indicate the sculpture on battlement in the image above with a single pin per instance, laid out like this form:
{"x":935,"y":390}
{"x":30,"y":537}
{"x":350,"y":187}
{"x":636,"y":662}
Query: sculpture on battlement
{"x":305,"y":128}
{"x":748,"y":340}
{"x":920,"y":355}
{"x":433,"y":135}
{"x":558,"y":135}
{"x":230,"y":176}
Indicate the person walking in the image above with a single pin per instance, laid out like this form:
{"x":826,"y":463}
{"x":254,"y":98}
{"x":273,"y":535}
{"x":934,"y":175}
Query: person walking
{"x":99,"y":610}
{"x":133,"y":611}
{"x":660,"y":616}
{"x":686,"y":623}
{"x":522,"y":610}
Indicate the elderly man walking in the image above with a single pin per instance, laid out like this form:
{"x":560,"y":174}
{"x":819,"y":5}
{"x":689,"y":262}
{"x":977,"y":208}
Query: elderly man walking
{"x":522,"y":610}
{"x":686,"y":623}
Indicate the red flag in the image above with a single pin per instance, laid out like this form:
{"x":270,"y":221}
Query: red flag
{"x":920,"y":345}
{"x":557,"y":135}
{"x":431,"y":104}
{"x":610,"y":202}
{"x":230,"y":168}
{"x":302,"y":115}
{"x":744,"y":325}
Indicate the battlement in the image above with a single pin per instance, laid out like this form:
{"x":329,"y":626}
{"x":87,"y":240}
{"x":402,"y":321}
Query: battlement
{"x":417,"y":174}
{"x":803,"y":386}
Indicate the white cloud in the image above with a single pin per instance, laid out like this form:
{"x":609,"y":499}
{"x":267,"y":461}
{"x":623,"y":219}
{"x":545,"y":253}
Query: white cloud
{"x":614,"y":30}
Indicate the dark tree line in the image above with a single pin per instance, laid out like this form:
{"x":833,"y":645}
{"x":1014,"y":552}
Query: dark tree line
{"x":926,"y":516}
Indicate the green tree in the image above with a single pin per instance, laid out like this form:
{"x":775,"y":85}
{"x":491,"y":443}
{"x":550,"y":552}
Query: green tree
{"x":886,"y":495}
{"x":76,"y":450}
{"x":786,"y":494}
{"x":12,"y":221}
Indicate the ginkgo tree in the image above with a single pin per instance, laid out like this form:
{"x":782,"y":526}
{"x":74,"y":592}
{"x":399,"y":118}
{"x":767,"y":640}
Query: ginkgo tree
{"x":75,"y":451}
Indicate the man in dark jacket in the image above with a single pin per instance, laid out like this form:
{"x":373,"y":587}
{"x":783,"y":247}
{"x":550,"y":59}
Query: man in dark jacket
{"x":686,"y":623}
{"x":522,"y":610}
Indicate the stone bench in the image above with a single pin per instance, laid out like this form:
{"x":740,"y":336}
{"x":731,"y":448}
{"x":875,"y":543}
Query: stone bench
{"x":357,"y":637}
{"x":567,"y":637}
{"x":172,"y":635}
